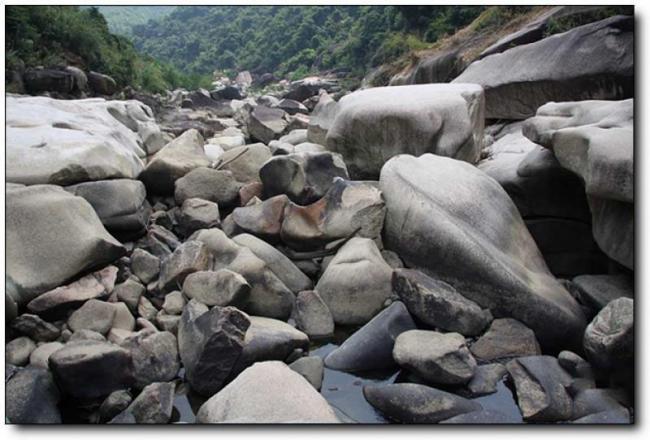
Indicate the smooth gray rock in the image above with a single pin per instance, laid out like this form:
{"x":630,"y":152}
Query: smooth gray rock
{"x":210,"y":343}
{"x":485,"y":379}
{"x":167,"y":322}
{"x":17,"y":351}
{"x":198,"y":214}
{"x":439,"y":358}
{"x":506,"y":338}
{"x":218,"y":186}
{"x":34,"y":327}
{"x":41,"y":355}
{"x":32,"y":397}
{"x":321,"y":119}
{"x":521,"y":79}
{"x":192,"y":256}
{"x":52,"y":236}
{"x":146,"y":309}
{"x":129,"y":292}
{"x":87,"y":370}
{"x":311,"y":368}
{"x":266,"y":124}
{"x":312,"y":315}
{"x":245,"y":162}
{"x":456,"y":224}
{"x":154,"y":356}
{"x":437,"y":304}
{"x":217,"y":288}
{"x":94,"y":315}
{"x":373,"y":125}
{"x":267,"y":392}
{"x":593,"y":401}
{"x":356,"y":283}
{"x":598,"y":290}
{"x":262,"y":219}
{"x":371,"y":347}
{"x":154,"y":404}
{"x":174,"y":303}
{"x":144,"y":265}
{"x":609,"y":338}
{"x":414,"y":403}
{"x":441,"y":67}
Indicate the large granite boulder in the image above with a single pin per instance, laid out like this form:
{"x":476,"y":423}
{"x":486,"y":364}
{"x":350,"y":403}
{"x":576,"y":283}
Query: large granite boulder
{"x":595,"y":140}
{"x":521,"y":79}
{"x":456,"y":224}
{"x":52,"y":236}
{"x":70,"y":141}
{"x":267,"y":392}
{"x":373,"y":125}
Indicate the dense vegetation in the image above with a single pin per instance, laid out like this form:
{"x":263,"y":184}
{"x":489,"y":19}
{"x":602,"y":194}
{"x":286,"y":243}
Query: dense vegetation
{"x":69,"y":35}
{"x":121,"y":19}
{"x":295,"y":40}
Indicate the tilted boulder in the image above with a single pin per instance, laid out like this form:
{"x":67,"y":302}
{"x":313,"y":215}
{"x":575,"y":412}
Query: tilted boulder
{"x":266,"y":124}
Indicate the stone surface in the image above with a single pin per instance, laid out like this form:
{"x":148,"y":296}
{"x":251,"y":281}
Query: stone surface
{"x":36,"y":328}
{"x":485,"y":379}
{"x":267,"y":392}
{"x":190,"y":257}
{"x":144,"y":265}
{"x":609,"y":338}
{"x":31,"y":397}
{"x":245,"y":162}
{"x":154,"y":404}
{"x":321,"y":119}
{"x":52,"y":236}
{"x":198,"y":214}
{"x":217,"y":186}
{"x":266,"y":124}
{"x":94,"y":315}
{"x":129,"y":292}
{"x":482,"y":417}
{"x":373,"y":125}
{"x":439,"y":305}
{"x":115,"y":403}
{"x":262,"y":219}
{"x":414,"y":403}
{"x":598,"y":290}
{"x":506,"y":338}
{"x":217,"y":288}
{"x":17,"y":351}
{"x":41,"y":355}
{"x":356,"y":283}
{"x":439,"y":358}
{"x":174,"y":303}
{"x":602,"y":67}
{"x":154,"y":356}
{"x":371,"y":347}
{"x":456,"y":224}
{"x":311,"y":368}
{"x":312,"y":315}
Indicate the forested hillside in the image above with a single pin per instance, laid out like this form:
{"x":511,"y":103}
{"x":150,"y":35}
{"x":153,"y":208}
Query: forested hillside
{"x":121,"y":19}
{"x":295,"y":41}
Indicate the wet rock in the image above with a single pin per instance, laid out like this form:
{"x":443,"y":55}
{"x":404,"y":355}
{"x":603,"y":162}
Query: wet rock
{"x":439,"y":358}
{"x":41,"y":355}
{"x":426,"y":199}
{"x":414,"y":403}
{"x":485,"y":379}
{"x":609,"y":338}
{"x":198,"y":214}
{"x":154,"y":356}
{"x":94,"y":315}
{"x":218,"y":186}
{"x":17,"y":351}
{"x":356,"y":283}
{"x":217,"y":288}
{"x":267,"y":392}
{"x":541,"y":384}
{"x":190,"y":257}
{"x":311,"y":368}
{"x":154,"y":404}
{"x":210,"y":343}
{"x":439,"y":305}
{"x":31,"y":397}
{"x":506,"y":338}
{"x":34,"y":327}
{"x":87,"y":370}
{"x":312,"y":315}
{"x":371,"y":347}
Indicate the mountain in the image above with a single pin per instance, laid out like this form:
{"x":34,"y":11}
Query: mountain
{"x":121,"y":19}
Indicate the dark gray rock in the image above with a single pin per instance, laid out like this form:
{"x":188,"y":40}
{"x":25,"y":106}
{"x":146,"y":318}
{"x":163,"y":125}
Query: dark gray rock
{"x":486,"y":378}
{"x":190,"y":257}
{"x":34,"y":327}
{"x":266,"y":124}
{"x":606,"y":418}
{"x":609,"y":338}
{"x":482,"y":417}
{"x":154,"y":404}
{"x":506,"y":338}
{"x":31,"y":397}
{"x":198,"y":214}
{"x":154,"y":356}
{"x":101,"y":84}
{"x":48,"y":80}
{"x":598,"y":290}
{"x":144,"y":265}
{"x":115,"y":403}
{"x":593,"y":401}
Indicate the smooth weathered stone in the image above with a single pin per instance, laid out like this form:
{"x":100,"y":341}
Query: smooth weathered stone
{"x":190,"y":257}
{"x":210,"y":343}
{"x":541,"y":385}
{"x":86,"y":370}
{"x":598,"y":290}
{"x":17,"y":351}
{"x":356,"y":283}
{"x":593,"y":401}
{"x":154,"y":356}
{"x":321,"y":119}
{"x":144,"y":265}
{"x":277,"y":262}
{"x":371,"y":347}
{"x":173,"y":161}
{"x":609,"y":338}
{"x":266,"y":124}
{"x":167,"y":322}
{"x":129,"y":292}
{"x":311,"y":368}
{"x":262,"y":219}
{"x":198,"y":214}
{"x":458,"y":225}
{"x":575,"y":365}
{"x":217,"y":288}
{"x":245,"y":162}
{"x":94,"y":315}
{"x":267,"y":392}
{"x":115,"y":403}
{"x":506,"y":338}
{"x":437,"y":304}
{"x":34,"y":327}
{"x":312,"y":315}
{"x":521,"y":79}
{"x":31,"y":397}
{"x":41,"y":355}
{"x":439,"y":358}
{"x":57,"y":302}
{"x":154,"y":404}
{"x":485,"y":379}
{"x":414,"y":403}
{"x":218,"y":186}
{"x":174,"y":303}
{"x":373,"y":125}
{"x":349,"y":208}
{"x":52,"y":236}
{"x":146,"y":309}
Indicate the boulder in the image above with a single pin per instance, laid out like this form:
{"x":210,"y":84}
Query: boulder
{"x":373,"y":125}
{"x":610,"y":417}
{"x":245,"y":162}
{"x":175,"y":160}
{"x":101,"y":84}
{"x":94,"y":315}
{"x":64,"y":142}
{"x":609,"y":338}
{"x":303,"y":177}
{"x":34,"y":327}
{"x":198,"y":214}
{"x":594,"y":401}
{"x":217,"y":288}
{"x":437,"y":304}
{"x":227,"y":92}
{"x":307,"y":87}
{"x":482,"y":417}
{"x":456,"y":224}
{"x":154,"y":355}
{"x":154,"y":404}
{"x":485,"y":379}
{"x":114,"y":404}
{"x":174,"y":302}
{"x":356,"y":283}
{"x":312,"y":315}
{"x":440,"y":67}
{"x":267,"y":392}
{"x":349,"y":208}
{"x":144,"y":265}
{"x":597,"y":291}
{"x":371,"y":347}
{"x":414,"y":403}
{"x":129,"y":292}
{"x":40,"y":357}
{"x":266,"y":124}
{"x":210,"y":343}
{"x":87,"y":370}
{"x":190,"y":257}
{"x":17,"y":351}
{"x":48,"y":80}
{"x":262,"y":219}
{"x":321,"y":119}
{"x":295,"y":137}
{"x":218,"y":186}
{"x":311,"y":368}
{"x":506,"y":338}
{"x":292,"y":107}
{"x":438,"y":358}
{"x":32,"y":397}
{"x":523,"y":78}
